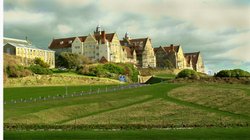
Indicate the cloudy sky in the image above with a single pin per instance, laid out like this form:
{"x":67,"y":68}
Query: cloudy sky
{"x":220,"y":29}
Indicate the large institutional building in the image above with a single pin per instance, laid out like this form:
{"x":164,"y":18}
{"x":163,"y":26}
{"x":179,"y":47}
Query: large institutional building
{"x":27,"y":51}
{"x":106,"y":47}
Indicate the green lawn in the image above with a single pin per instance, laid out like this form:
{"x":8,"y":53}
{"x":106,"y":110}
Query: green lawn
{"x":18,"y":93}
{"x":173,"y":134}
{"x":159,"y":105}
{"x":165,"y":76}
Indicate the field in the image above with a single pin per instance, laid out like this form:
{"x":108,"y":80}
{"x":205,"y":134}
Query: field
{"x":161,"y":105}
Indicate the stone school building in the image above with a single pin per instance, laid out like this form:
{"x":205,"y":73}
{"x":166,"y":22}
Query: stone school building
{"x":106,"y":47}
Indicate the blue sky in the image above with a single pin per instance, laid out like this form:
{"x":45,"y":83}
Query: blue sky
{"x":220,"y":29}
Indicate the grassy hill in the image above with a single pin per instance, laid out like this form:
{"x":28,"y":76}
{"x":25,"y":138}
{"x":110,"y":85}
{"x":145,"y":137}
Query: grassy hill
{"x":160,"y":105}
{"x":170,"y":105}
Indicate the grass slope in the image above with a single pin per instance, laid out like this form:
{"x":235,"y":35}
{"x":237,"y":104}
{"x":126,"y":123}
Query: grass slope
{"x":159,"y":104}
{"x":18,"y":93}
{"x":58,"y":79}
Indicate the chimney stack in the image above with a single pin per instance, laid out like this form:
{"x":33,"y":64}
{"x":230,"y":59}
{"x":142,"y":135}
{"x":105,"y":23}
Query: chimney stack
{"x":103,"y":37}
{"x":171,"y":47}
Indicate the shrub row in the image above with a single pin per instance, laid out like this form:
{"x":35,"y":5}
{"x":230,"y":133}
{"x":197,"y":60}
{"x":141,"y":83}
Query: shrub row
{"x":232,"y":73}
{"x":109,"y":70}
{"x":37,"y":69}
{"x":8,"y":126}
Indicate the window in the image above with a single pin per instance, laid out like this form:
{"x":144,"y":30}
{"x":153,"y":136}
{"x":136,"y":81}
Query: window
{"x":8,"y":50}
{"x":61,"y":42}
{"x":70,"y":41}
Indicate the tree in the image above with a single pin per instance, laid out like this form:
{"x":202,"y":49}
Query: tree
{"x":40,"y":62}
{"x":71,"y":60}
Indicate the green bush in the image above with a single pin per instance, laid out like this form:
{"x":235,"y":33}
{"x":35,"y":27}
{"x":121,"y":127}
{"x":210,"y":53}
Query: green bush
{"x":224,"y":73}
{"x":188,"y":73}
{"x":110,"y":70}
{"x":17,"y":71}
{"x":37,"y":69}
{"x":12,"y":67}
{"x":113,"y":68}
{"x":71,"y":60}
{"x":40,"y":62}
{"x":232,"y":73}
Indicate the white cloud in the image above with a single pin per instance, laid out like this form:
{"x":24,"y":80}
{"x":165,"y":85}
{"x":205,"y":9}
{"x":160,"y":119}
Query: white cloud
{"x":64,"y":29}
{"x":209,"y":14}
{"x":26,"y":17}
{"x":219,"y":29}
{"x":239,"y":53}
{"x":74,"y":3}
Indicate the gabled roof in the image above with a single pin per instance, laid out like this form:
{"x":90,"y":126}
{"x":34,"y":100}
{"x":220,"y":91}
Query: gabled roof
{"x":66,"y":42}
{"x":103,"y":60}
{"x":26,"y":46}
{"x":61,"y":43}
{"x":135,"y":44}
{"x":82,"y":38}
{"x":169,"y":48}
{"x":16,"y":41}
{"x":109,"y":36}
{"x":192,"y":57}
{"x":159,"y":49}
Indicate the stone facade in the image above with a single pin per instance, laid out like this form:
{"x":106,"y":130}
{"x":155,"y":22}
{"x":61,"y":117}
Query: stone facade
{"x":142,"y":48}
{"x":106,"y":47}
{"x":27,"y":51}
{"x":180,"y":60}
{"x":194,"y":61}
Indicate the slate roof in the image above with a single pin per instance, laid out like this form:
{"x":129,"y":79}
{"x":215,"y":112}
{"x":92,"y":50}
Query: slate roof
{"x":168,"y":48}
{"x":16,"y":41}
{"x":135,"y":44}
{"x":61,"y":43}
{"x":26,"y":46}
{"x":67,"y":42}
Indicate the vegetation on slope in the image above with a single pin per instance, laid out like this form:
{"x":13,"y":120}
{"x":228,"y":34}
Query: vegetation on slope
{"x":232,"y":73}
{"x":135,"y":108}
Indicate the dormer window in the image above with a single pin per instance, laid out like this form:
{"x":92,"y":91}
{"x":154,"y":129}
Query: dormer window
{"x":70,"y":41}
{"x":61,"y":42}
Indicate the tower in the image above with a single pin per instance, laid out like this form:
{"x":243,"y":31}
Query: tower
{"x":127,"y":37}
{"x":98,"y":29}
